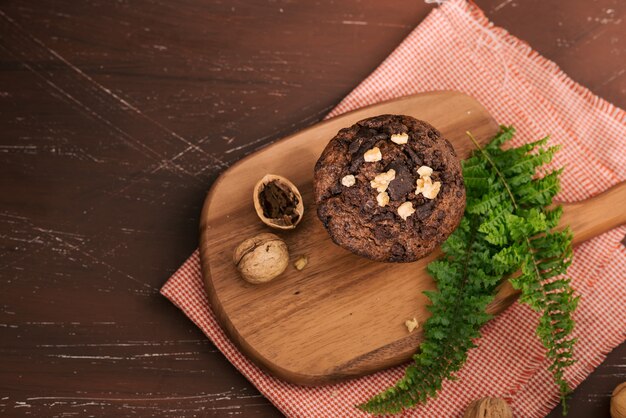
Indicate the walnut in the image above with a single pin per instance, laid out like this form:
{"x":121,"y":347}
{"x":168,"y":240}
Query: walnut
{"x":383,"y":199}
{"x":411,"y":324}
{"x":382,"y":180}
{"x":301,"y":262}
{"x":348,"y":180}
{"x":425,"y":184}
{"x":261,"y":258}
{"x":425,"y":171}
{"x":373,"y":155}
{"x":432,"y":190}
{"x":278,"y":202}
{"x":400,"y":139}
{"x":618,"y":401}
{"x":405,"y":210}
{"x":488,"y":408}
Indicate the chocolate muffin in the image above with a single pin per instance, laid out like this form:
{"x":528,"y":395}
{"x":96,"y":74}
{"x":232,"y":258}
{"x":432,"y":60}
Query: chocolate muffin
{"x":389,"y":188}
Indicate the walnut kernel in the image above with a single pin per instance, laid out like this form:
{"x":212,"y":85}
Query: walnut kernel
{"x":432,"y":191}
{"x":301,"y":262}
{"x":348,"y":180}
{"x":400,"y":139}
{"x":425,"y":185}
{"x":383,"y":199}
{"x":382,"y":180}
{"x":425,"y":171}
{"x":411,"y":324}
{"x":373,"y":155}
{"x":427,"y":188}
{"x":405,"y":210}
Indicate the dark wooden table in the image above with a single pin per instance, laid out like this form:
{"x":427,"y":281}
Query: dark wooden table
{"x":116,"y":116}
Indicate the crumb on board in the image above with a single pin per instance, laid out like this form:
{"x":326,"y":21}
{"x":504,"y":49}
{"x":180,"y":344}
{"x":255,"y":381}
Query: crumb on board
{"x":301,"y":262}
{"x":411,"y":324}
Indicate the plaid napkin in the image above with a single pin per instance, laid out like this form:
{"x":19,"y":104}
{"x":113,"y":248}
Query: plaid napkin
{"x":457,"y":48}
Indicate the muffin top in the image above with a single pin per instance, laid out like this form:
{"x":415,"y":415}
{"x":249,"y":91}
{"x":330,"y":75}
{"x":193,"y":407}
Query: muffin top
{"x":389,"y":188}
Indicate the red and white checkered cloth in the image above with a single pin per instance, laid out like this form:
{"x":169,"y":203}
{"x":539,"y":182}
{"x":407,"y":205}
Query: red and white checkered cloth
{"x":457,"y":48}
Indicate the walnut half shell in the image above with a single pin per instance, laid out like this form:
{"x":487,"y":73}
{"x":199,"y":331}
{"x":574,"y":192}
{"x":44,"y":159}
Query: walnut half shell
{"x":278,"y":202}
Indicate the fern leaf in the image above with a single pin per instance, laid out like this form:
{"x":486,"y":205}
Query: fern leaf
{"x":547,"y":256}
{"x":506,"y":228}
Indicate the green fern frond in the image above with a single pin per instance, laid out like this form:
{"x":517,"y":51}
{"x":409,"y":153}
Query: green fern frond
{"x":506,"y":134}
{"x":506,"y":228}
{"x":547,"y":254}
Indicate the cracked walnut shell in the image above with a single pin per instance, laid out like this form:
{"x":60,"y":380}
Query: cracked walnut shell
{"x":278,"y":202}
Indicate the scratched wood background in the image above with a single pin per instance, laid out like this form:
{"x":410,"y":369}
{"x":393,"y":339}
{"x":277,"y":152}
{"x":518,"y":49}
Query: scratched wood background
{"x":117,"y":116}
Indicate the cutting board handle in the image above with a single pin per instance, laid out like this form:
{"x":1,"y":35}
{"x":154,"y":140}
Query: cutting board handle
{"x":594,"y":216}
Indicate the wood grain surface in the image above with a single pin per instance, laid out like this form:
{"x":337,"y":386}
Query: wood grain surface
{"x":117,"y":117}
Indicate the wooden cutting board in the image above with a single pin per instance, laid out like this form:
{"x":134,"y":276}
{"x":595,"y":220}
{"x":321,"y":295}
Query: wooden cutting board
{"x":342,"y":316}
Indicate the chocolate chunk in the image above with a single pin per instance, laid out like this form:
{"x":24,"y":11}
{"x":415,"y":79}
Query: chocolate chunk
{"x":403,"y":184}
{"x":383,"y":233}
{"x":383,"y":216}
{"x":358,"y":160}
{"x":396,"y":127}
{"x":398,"y":250}
{"x":423,"y":211}
{"x":415,"y":157}
{"x":354,"y":146}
